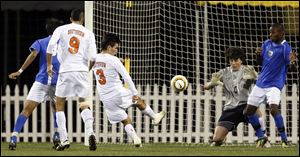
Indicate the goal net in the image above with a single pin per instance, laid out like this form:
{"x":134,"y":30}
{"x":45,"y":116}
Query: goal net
{"x":168,"y":38}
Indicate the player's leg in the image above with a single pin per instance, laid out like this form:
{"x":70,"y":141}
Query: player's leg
{"x":262,"y":126}
{"x":88,"y":119}
{"x":55,"y":137}
{"x":255,"y":98}
{"x":146,"y":109}
{"x":35,"y":96}
{"x":22,"y":118}
{"x":131,"y":132}
{"x":219,"y":136}
{"x":61,"y":123}
{"x":273,"y":98}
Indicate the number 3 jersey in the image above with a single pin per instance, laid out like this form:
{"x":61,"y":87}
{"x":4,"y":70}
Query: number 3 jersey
{"x":106,"y":70}
{"x":236,"y":88}
{"x":77,"y":44}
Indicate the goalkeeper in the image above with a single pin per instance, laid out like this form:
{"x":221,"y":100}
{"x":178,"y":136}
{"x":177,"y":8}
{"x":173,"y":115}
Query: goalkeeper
{"x":236,"y":80}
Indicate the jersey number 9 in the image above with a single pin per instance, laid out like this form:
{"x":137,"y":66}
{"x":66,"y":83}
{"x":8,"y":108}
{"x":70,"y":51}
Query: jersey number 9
{"x":74,"y":45}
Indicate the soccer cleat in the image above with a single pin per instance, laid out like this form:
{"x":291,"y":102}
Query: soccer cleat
{"x":13,"y":143}
{"x":63,"y":145}
{"x":55,"y":139}
{"x":284,"y":144}
{"x":261,"y":142}
{"x":216,"y":143}
{"x":137,"y":142}
{"x":92,"y":143}
{"x":158,"y":117}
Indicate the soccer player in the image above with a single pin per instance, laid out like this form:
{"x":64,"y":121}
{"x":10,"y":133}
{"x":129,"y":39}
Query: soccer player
{"x":43,"y":86}
{"x":236,"y":80}
{"x":276,"y":56}
{"x":116,"y":99}
{"x":78,"y":48}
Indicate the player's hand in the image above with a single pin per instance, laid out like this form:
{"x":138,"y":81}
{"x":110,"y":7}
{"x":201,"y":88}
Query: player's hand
{"x":135,"y":99}
{"x":14,"y":75}
{"x":249,"y":73}
{"x":258,"y":51}
{"x":50,"y":71}
{"x":293,"y":56}
{"x":215,"y":80}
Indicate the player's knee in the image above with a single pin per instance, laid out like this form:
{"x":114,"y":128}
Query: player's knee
{"x":250,"y":110}
{"x":83,"y":105}
{"x":274,"y":110}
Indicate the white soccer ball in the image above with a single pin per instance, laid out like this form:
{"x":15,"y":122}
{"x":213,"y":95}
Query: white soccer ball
{"x":179,"y":83}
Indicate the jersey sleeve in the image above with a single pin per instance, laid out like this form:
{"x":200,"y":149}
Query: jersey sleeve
{"x":52,"y":46}
{"x":121,"y":70}
{"x":35,"y":46}
{"x":92,"y":49}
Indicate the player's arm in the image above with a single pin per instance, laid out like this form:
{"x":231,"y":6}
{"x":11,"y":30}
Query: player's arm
{"x":215,"y":81}
{"x":92,"y":51}
{"x":51,"y":50}
{"x":30,"y":58}
{"x":121,"y":70}
{"x":258,"y":55}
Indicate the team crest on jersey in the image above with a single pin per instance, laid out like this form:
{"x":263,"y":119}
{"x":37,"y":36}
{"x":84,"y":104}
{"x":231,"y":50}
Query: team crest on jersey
{"x":270,"y":53}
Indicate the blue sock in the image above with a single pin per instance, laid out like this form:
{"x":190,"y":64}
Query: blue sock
{"x":280,"y":126}
{"x":253,"y":119}
{"x":20,"y":123}
{"x":54,"y":117}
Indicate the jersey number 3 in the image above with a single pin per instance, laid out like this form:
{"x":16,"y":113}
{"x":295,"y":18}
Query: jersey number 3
{"x":74,"y":45}
{"x":102,"y":79}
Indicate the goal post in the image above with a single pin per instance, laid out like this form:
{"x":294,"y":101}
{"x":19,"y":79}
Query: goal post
{"x":168,"y":38}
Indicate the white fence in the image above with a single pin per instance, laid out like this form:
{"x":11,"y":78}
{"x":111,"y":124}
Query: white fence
{"x":191,"y":118}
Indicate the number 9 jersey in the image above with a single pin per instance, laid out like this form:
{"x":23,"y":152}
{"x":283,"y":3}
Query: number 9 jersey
{"x":78,"y":47}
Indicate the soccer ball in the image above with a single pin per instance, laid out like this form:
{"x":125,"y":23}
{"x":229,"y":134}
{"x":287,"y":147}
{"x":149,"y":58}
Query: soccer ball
{"x":179,"y":83}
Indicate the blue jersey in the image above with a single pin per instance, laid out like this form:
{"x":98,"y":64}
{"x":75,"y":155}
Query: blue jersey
{"x":40,"y":46}
{"x":275,"y":61}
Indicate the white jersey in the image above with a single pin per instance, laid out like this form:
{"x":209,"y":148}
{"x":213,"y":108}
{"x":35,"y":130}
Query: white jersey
{"x":106,"y":70}
{"x":78,"y":47}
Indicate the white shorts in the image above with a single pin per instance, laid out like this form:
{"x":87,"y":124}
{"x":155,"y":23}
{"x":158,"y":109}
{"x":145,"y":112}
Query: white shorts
{"x":40,"y":92}
{"x":259,"y":95}
{"x":115,"y":106}
{"x":71,"y":84}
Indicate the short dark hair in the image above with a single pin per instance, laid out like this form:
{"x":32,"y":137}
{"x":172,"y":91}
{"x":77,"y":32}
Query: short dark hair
{"x":75,"y":14}
{"x":109,"y":39}
{"x":52,"y":24}
{"x":235,"y":53}
{"x":279,"y":26}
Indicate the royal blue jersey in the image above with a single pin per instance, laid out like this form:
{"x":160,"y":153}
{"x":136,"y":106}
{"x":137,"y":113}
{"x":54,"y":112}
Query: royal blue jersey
{"x":275,"y":62}
{"x":40,"y":46}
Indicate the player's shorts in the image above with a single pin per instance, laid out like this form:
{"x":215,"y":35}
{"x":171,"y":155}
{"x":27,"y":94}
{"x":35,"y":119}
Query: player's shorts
{"x":259,"y":95}
{"x":230,"y":118}
{"x":40,"y":92}
{"x":115,"y":107}
{"x":71,"y":84}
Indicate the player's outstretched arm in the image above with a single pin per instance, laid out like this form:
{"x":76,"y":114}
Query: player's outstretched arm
{"x":30,"y":58}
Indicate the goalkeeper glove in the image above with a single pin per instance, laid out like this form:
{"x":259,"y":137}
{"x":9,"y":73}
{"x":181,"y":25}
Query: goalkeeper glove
{"x":215,"y":80}
{"x":249,"y":73}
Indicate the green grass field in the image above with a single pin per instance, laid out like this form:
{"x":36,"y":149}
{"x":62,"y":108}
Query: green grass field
{"x":76,"y":149}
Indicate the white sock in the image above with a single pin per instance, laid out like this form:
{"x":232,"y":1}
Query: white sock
{"x":61,"y":123}
{"x":262,"y":124}
{"x":149,"y":112}
{"x":87,"y":117}
{"x":130,"y":131}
